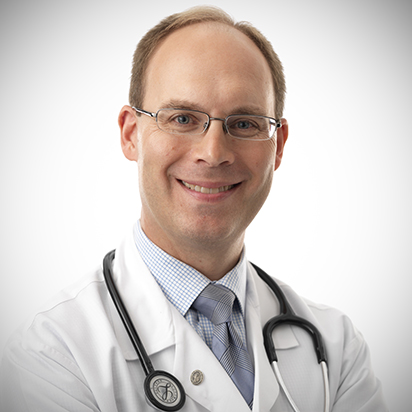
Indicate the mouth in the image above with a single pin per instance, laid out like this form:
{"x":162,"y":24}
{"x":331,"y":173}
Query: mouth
{"x":208,"y":190}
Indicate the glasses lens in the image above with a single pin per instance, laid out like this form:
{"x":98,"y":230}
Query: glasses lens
{"x":250,"y":127}
{"x":180,"y":121}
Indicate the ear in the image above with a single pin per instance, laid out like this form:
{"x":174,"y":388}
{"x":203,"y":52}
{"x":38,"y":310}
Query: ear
{"x":128,"y":132}
{"x":281,"y":137}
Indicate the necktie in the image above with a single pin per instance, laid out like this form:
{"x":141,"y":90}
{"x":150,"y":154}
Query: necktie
{"x":216,"y":302}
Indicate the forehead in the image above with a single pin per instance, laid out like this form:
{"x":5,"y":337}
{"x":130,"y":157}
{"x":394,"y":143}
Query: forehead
{"x":209,"y":62}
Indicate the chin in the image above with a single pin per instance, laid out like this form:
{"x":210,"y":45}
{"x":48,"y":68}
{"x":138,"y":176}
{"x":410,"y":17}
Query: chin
{"x":209,"y":233}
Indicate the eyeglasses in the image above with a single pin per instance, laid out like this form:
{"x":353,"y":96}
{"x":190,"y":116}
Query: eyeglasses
{"x":192,"y":122}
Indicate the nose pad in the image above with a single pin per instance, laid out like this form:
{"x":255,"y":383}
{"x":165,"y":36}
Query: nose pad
{"x":214,"y":148}
{"x":224,"y":127}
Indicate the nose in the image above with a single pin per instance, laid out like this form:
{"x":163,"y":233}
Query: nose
{"x":215,"y":145}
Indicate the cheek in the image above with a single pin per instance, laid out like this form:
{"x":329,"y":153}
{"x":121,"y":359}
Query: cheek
{"x":264,"y":158}
{"x":156,"y":155}
{"x":263,"y":170}
{"x":271,"y":147}
{"x":152,"y":144}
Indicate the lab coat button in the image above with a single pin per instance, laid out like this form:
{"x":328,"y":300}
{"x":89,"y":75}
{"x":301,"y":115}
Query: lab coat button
{"x":196,"y":377}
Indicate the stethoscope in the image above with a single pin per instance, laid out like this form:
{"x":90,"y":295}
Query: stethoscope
{"x":164,"y":392}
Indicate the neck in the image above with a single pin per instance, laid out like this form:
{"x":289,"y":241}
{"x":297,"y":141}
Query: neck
{"x":213,"y":258}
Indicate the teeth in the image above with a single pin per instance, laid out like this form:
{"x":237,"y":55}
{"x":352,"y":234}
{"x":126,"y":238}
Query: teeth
{"x":207,"y":190}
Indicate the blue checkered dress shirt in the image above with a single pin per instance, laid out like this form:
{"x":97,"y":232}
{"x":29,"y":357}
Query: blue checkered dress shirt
{"x":182,"y":284}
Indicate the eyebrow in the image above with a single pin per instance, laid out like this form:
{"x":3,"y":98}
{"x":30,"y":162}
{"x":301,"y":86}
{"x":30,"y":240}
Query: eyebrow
{"x":187,"y":105}
{"x":181,"y":104}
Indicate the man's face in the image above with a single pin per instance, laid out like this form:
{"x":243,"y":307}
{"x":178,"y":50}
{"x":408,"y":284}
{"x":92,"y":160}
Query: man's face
{"x":218,"y":70}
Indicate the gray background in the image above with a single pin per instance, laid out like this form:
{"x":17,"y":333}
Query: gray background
{"x":337,"y":225}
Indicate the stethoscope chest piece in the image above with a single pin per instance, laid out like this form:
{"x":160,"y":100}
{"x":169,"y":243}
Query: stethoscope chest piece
{"x":163,"y":391}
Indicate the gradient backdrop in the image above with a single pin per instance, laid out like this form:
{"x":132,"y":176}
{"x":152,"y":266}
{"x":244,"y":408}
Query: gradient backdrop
{"x":337,"y":225}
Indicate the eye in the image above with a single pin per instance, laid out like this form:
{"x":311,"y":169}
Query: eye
{"x":248,"y":126}
{"x":242,"y":124}
{"x":183,"y":119}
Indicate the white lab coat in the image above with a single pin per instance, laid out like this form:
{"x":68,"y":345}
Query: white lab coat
{"x":75,"y":354}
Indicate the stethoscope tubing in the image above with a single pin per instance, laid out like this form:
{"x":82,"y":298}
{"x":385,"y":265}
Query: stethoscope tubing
{"x":287,"y":316}
{"x":127,"y":322}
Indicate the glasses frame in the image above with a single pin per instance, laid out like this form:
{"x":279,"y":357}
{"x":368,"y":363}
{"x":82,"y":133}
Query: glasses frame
{"x":275,"y":122}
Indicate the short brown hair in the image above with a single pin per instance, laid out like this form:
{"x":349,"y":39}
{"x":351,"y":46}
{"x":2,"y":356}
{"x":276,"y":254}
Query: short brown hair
{"x":194,"y":15}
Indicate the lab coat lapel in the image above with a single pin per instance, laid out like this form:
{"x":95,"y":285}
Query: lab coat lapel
{"x":266,"y":385}
{"x":260,"y":307}
{"x":146,"y":304}
{"x":217,"y":392}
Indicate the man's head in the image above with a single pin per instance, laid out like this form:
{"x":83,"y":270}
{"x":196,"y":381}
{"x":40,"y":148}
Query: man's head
{"x":200,"y":192}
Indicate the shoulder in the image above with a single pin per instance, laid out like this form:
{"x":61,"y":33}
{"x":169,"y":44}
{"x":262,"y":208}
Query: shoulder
{"x":86,"y":293}
{"x":334,"y":325}
{"x":61,"y":350}
{"x":68,"y":313}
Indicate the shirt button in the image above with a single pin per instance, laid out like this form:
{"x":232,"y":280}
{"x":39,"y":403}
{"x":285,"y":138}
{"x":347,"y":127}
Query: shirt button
{"x":196,"y":377}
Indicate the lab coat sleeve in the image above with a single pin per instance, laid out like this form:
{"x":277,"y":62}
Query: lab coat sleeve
{"x":359,"y":390}
{"x":36,"y":377}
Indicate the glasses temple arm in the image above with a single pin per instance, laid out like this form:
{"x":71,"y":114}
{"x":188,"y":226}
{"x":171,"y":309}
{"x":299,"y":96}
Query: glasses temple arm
{"x":141,"y":111}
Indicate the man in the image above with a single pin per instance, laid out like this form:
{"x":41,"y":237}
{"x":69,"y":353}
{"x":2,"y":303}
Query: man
{"x":206,"y":130}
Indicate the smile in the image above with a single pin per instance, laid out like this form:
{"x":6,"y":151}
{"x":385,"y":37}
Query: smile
{"x":207,"y":190}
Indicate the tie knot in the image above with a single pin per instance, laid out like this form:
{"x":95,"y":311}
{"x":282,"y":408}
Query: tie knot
{"x":215,"y":302}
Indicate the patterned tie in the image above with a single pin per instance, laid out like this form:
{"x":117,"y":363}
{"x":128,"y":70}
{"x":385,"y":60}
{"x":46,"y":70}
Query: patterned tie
{"x":216,"y":302}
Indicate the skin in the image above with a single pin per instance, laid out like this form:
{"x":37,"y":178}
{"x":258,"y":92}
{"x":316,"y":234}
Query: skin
{"x":216,"y":69}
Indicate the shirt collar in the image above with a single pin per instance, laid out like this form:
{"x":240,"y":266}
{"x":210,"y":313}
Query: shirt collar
{"x":181,"y":283}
